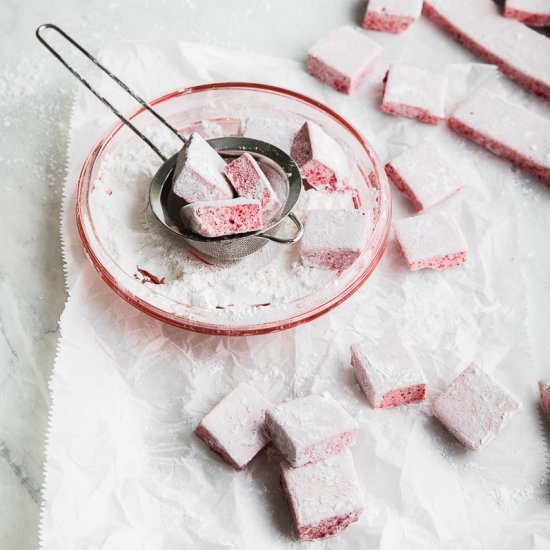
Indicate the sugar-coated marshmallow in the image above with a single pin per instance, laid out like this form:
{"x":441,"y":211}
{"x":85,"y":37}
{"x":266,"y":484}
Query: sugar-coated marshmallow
{"x":388,"y":373}
{"x":393,"y":16}
{"x":234,"y":427}
{"x":432,"y":240}
{"x":310,"y":428}
{"x":415,"y":93}
{"x":250,"y":182}
{"x":198,"y":175}
{"x":425,"y":175}
{"x":334,"y":239}
{"x":475,"y":408}
{"x":320,"y":159}
{"x":343,"y":58}
{"x":218,"y":218}
{"x":507,"y":129}
{"x":324,"y":498}
{"x":519,"y":52}
{"x":531,"y":12}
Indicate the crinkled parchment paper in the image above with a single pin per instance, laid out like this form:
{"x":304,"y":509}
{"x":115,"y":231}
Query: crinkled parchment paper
{"x":124,"y":470}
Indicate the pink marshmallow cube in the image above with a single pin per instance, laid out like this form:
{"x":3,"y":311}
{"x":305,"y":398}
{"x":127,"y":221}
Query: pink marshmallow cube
{"x":310,"y":428}
{"x":198,"y":175}
{"x":424,"y":175}
{"x":415,"y":93}
{"x":388,"y":373}
{"x":334,"y":239}
{"x":343,"y":58}
{"x":250,"y":182}
{"x":507,"y":129}
{"x":234,"y":427}
{"x":320,"y":159}
{"x":475,"y":408}
{"x":432,"y":241}
{"x":531,"y":12}
{"x":393,"y":16}
{"x":276,"y":131}
{"x":519,"y":52}
{"x":219,"y":218}
{"x":324,"y":498}
{"x":544,"y":389}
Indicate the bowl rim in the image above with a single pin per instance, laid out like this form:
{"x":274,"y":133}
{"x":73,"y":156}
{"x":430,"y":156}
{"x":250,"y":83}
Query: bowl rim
{"x":227,"y":330}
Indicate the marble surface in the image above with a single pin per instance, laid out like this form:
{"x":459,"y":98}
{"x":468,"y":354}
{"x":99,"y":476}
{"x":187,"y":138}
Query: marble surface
{"x":35,"y":97}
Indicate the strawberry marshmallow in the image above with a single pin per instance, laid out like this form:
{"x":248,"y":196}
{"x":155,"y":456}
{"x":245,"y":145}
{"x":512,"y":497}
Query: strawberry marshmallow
{"x":324,"y":498}
{"x":388,"y":373}
{"x":531,"y":12}
{"x":198,"y":175}
{"x":431,"y":240}
{"x":415,"y":93}
{"x":310,"y":428}
{"x":475,"y":408}
{"x":424,"y":175}
{"x":334,"y":239}
{"x":233,"y":428}
{"x":544,"y":389}
{"x":393,"y":16}
{"x":519,"y":52}
{"x":343,"y":58}
{"x":218,"y":218}
{"x":506,"y":129}
{"x":320,"y":159}
{"x":276,"y":131}
{"x":250,"y":182}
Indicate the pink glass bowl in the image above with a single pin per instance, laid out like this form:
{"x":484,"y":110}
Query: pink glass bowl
{"x":227,"y":104}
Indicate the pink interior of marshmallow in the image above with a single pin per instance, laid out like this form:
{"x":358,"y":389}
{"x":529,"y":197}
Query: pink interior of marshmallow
{"x":219,"y":218}
{"x":507,"y":129}
{"x":520,"y":52}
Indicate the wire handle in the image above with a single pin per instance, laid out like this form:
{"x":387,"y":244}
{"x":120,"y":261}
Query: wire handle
{"x":141,"y":101}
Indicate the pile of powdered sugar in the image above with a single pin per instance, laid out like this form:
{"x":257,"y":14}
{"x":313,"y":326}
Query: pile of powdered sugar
{"x":149,"y":253}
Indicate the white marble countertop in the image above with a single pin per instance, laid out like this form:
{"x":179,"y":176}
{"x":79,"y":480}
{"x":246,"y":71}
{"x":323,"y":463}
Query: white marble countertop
{"x":35,"y":96}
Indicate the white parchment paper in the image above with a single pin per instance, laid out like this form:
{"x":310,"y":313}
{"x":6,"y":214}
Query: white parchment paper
{"x":123,"y":469}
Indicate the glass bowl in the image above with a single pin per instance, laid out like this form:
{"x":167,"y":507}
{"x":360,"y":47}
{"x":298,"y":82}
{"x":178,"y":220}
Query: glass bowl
{"x":227,"y":104}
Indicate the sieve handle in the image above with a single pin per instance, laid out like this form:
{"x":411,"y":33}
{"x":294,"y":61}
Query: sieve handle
{"x":40,"y":35}
{"x":290,"y":240}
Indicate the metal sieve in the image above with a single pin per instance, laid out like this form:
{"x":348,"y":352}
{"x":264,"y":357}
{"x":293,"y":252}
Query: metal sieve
{"x":166,"y":205}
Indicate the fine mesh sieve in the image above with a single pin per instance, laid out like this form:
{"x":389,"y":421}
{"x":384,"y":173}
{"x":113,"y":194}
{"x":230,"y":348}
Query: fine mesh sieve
{"x":166,"y":205}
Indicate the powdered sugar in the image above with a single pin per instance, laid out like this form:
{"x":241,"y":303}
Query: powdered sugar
{"x":134,"y":239}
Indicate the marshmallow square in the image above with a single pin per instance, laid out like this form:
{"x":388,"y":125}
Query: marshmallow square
{"x":310,"y":428}
{"x":425,"y":175}
{"x":393,"y":16}
{"x":432,"y":241}
{"x":415,"y":93}
{"x":250,"y":182}
{"x":535,"y":13}
{"x":388,"y":373}
{"x":234,"y":427}
{"x":324,"y":498}
{"x":475,"y":408}
{"x":320,"y":159}
{"x":343,"y":58}
{"x":198,"y":175}
{"x":334,"y":239}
